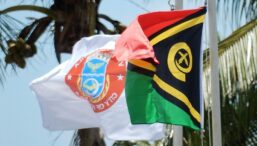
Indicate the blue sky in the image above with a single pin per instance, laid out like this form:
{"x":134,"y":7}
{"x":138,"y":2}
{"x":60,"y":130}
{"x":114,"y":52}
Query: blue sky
{"x":20,"y":117}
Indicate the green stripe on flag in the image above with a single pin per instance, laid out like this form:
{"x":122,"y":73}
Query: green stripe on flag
{"x":170,"y":113}
{"x":140,"y":104}
{"x":147,"y":106}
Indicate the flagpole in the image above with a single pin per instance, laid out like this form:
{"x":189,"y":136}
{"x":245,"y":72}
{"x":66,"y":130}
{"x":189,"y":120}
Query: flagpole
{"x":178,"y":4}
{"x":178,"y":130}
{"x":215,"y":90}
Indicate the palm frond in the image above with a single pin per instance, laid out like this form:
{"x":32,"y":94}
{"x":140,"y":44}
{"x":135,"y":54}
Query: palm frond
{"x":30,"y":8}
{"x":235,"y":13}
{"x":9,"y":28}
{"x":238,"y":60}
{"x":238,"y":76}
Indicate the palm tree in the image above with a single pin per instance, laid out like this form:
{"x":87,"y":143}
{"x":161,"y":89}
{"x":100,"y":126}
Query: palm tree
{"x":70,"y":23}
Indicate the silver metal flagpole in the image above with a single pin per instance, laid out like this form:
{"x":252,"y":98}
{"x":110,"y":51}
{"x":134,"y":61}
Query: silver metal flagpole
{"x":178,"y":130}
{"x":215,"y":88}
{"x":178,"y":4}
{"x":177,"y":135}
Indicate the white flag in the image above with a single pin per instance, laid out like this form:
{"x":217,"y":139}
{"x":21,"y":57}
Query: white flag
{"x":88,"y":91}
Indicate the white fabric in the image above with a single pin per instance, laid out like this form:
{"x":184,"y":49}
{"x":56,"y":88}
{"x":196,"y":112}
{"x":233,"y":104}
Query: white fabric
{"x":63,"y":110}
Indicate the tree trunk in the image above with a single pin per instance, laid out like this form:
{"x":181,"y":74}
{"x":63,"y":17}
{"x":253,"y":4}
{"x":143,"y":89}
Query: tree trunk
{"x":88,"y":137}
{"x":76,"y":19}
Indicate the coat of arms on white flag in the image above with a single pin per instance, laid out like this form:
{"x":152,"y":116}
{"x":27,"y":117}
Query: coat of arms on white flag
{"x":88,"y":91}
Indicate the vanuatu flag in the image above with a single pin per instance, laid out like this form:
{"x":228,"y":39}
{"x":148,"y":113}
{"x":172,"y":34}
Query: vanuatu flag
{"x":163,"y":82}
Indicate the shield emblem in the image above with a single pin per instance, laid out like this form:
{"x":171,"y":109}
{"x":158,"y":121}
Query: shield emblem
{"x":98,"y":78}
{"x":93,"y":77}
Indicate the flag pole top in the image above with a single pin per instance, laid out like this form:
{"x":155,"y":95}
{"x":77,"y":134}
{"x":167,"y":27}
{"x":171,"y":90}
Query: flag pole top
{"x":172,"y":6}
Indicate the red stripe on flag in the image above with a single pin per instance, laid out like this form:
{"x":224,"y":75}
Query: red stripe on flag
{"x":154,"y":22}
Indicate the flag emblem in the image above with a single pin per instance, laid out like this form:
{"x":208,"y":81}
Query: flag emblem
{"x":93,"y":79}
{"x":97,"y":78}
{"x":180,"y":60}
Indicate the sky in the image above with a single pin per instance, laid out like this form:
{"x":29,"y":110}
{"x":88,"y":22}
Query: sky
{"x":20,"y":116}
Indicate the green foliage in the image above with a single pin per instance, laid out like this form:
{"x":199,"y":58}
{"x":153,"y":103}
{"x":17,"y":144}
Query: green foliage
{"x":237,"y":113}
{"x":239,"y":119}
